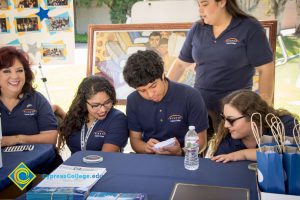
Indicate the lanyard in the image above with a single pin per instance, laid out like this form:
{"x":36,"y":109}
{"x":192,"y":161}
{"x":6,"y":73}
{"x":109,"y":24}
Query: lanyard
{"x":83,"y":140}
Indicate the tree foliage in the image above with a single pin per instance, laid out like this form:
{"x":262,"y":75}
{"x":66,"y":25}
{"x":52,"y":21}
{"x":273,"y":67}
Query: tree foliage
{"x":118,"y":8}
{"x":298,"y":17}
{"x":248,"y":5}
{"x":278,"y":7}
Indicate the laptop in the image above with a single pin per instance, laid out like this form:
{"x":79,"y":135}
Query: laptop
{"x":182,"y":191}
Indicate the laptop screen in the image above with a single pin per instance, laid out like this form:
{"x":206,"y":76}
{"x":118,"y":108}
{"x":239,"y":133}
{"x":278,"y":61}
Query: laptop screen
{"x":206,"y":192}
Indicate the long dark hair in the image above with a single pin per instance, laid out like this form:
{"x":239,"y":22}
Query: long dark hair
{"x":246,"y":102}
{"x":234,"y":10}
{"x":78,"y":112}
{"x":8,"y":56}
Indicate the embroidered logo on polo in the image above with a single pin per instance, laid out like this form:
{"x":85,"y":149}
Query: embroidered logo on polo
{"x":232,"y":41}
{"x":175,"y":118}
{"x":99,"y":133}
{"x":29,"y":111}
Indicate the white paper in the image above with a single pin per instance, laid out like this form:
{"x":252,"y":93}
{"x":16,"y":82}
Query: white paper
{"x":73,"y":176}
{"x":166,"y":143}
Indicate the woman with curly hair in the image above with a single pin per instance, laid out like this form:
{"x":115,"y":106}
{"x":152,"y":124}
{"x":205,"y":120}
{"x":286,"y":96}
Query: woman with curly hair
{"x":92,"y":123}
{"x":27,"y":117}
{"x":235,"y":140}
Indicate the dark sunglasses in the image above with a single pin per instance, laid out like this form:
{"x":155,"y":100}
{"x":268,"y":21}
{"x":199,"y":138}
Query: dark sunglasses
{"x":230,"y":120}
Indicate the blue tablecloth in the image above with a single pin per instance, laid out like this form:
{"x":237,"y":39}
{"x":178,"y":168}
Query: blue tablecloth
{"x":35,"y":160}
{"x":156,"y":175}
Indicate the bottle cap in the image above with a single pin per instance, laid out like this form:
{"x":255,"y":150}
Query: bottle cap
{"x":191,"y":127}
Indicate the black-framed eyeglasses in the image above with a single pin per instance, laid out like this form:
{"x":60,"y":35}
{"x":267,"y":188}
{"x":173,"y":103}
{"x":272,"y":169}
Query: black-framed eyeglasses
{"x":231,"y":120}
{"x":107,"y":105}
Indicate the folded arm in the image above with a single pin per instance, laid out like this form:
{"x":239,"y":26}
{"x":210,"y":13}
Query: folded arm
{"x":44,"y":137}
{"x":138,"y":145}
{"x":245,"y":154}
{"x":110,"y":148}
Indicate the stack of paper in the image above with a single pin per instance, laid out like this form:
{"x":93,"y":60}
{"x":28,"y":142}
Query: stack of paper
{"x":167,"y":143}
{"x":67,"y":182}
{"x":57,"y":193}
{"x":116,"y":196}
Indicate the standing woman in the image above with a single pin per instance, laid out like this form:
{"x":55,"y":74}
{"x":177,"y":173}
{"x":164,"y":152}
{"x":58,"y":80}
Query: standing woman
{"x":26,"y":114}
{"x":227,"y":46}
{"x":92,"y":123}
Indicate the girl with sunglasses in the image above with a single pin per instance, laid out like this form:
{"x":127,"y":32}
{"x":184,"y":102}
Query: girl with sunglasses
{"x":92,"y":122}
{"x":234,"y":140}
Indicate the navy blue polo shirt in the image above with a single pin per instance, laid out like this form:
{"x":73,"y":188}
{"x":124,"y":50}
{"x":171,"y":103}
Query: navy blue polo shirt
{"x":229,"y":145}
{"x":30,"y":116}
{"x":111,"y":130}
{"x":226,"y":63}
{"x":181,"y":107}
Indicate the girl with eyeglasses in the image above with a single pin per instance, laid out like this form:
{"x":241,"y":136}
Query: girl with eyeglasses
{"x":92,"y":123}
{"x":234,"y":139}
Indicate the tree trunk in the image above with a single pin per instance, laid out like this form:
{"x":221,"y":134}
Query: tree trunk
{"x":248,"y":5}
{"x":278,"y":7}
{"x":298,"y":18}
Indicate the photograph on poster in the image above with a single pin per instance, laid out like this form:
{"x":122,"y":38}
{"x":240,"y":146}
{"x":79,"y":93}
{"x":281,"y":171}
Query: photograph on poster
{"x":109,"y":46}
{"x":27,"y":3}
{"x":3,"y":4}
{"x":27,"y":24}
{"x":59,"y":23}
{"x":57,"y":2}
{"x":53,"y":51}
{"x":3,"y":26}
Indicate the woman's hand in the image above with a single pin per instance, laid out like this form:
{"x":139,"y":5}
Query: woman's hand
{"x":225,"y":158}
{"x":245,"y":154}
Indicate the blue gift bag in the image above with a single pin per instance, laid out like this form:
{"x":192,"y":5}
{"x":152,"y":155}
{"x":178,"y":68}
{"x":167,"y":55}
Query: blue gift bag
{"x":270,"y":170}
{"x":291,"y":164}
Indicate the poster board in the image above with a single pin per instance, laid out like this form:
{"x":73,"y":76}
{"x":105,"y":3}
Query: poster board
{"x":109,"y":46}
{"x":42,"y":28}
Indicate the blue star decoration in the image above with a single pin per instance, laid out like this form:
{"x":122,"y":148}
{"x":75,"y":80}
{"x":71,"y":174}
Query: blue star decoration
{"x":42,"y":14}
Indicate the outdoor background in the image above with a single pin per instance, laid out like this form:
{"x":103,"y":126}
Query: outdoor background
{"x":62,"y":81}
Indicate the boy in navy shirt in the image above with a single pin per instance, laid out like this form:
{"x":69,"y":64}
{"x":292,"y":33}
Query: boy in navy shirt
{"x":160,"y":109}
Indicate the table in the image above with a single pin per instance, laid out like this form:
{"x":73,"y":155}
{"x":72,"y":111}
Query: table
{"x":156,"y":175}
{"x":36,"y":160}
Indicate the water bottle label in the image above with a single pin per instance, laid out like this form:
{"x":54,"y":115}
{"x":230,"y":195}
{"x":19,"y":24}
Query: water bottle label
{"x":192,"y":144}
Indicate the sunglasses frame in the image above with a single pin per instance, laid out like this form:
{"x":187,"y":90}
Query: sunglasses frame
{"x":231,"y":120}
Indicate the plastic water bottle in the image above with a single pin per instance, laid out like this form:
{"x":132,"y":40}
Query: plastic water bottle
{"x":191,"y":159}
